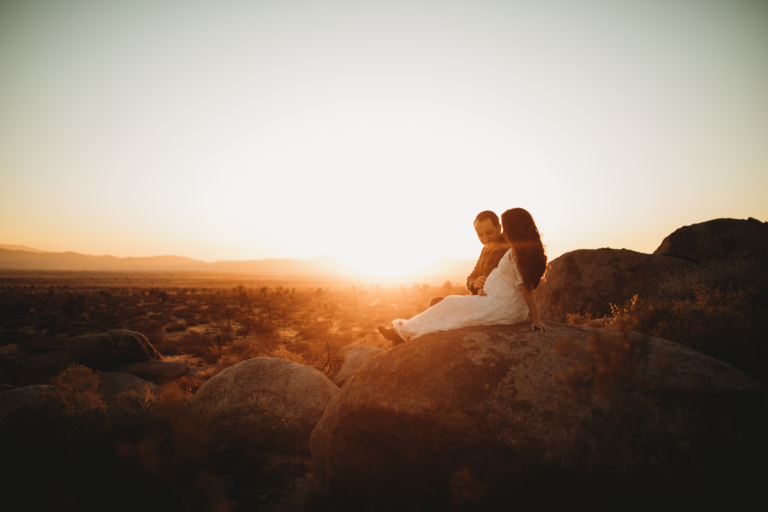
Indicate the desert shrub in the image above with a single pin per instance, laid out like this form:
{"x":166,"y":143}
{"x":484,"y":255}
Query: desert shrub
{"x":579,"y":318}
{"x":241,"y":351}
{"x":727,"y":324}
{"x":69,"y":451}
{"x":283,"y":353}
{"x":737,"y":273}
{"x":76,"y":390}
{"x":191,"y":383}
{"x":205,"y":347}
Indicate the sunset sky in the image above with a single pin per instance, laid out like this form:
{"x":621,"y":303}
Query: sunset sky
{"x":375,"y":130}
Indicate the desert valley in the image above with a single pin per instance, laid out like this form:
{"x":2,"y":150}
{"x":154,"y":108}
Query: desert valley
{"x":223,"y":391}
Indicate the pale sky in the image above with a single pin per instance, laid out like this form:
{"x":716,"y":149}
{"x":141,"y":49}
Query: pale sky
{"x":375,"y":130}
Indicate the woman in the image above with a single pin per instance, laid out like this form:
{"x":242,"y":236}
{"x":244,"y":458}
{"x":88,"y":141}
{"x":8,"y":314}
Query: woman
{"x":507,"y":294}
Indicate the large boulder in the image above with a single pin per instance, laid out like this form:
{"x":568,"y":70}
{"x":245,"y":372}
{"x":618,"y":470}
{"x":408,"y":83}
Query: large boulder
{"x":719,"y":238}
{"x":278,"y":398}
{"x":112,"y":384}
{"x":593,"y":279}
{"x":353,"y":357}
{"x":109,"y":349}
{"x":12,"y":399}
{"x":159,"y":372}
{"x":487,"y":417}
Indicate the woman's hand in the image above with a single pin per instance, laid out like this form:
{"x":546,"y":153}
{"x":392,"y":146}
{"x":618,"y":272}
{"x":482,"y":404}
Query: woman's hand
{"x":534,"y":311}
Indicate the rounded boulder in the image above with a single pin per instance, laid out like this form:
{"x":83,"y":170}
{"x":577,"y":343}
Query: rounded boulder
{"x":278,"y":397}
{"x":593,"y":279}
{"x":718,"y":238}
{"x":109,"y":349}
{"x":484,"y":417}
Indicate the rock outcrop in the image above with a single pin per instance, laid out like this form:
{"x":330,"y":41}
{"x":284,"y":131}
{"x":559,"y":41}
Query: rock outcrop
{"x":12,"y":399}
{"x":593,"y":279}
{"x":482,"y":417}
{"x":719,"y":238}
{"x":112,"y":384}
{"x":159,"y":372}
{"x":353,"y":358}
{"x":109,"y":349}
{"x":279,"y":398}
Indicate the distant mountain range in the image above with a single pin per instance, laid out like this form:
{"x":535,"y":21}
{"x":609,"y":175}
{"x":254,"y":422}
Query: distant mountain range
{"x":19,"y":257}
{"x":20,"y":248}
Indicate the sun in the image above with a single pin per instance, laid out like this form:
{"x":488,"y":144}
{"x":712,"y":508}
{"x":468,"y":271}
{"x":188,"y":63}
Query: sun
{"x":387,"y":264}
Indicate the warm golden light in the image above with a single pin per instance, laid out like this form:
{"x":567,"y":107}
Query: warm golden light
{"x":248,"y":130}
{"x":388,"y":264}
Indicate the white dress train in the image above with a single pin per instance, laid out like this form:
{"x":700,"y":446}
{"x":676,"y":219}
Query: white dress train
{"x":503,"y":304}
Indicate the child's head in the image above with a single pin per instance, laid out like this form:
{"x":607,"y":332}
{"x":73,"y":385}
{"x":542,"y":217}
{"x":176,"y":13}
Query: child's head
{"x":523,"y":235}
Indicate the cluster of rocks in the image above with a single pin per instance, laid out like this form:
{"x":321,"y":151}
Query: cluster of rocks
{"x":126,"y":361}
{"x":590,"y":280}
{"x":482,"y":415}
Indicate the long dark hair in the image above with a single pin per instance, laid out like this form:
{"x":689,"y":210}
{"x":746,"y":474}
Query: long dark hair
{"x":522,"y":234}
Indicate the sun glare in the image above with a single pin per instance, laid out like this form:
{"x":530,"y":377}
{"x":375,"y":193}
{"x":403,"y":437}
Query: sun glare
{"x":387,"y":264}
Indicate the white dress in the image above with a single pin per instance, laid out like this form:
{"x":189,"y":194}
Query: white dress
{"x":503,"y":304}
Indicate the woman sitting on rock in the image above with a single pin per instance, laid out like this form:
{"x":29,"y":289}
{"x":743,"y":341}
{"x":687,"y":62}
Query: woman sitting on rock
{"x":507,"y":296}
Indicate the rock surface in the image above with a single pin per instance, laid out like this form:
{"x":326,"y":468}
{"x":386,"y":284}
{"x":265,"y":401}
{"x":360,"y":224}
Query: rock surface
{"x":593,"y":279}
{"x":279,"y":397}
{"x":481,"y":417}
{"x":14,"y":398}
{"x":719,"y":238}
{"x":159,"y":372}
{"x":114,"y":383}
{"x":353,"y":357}
{"x":109,"y":349}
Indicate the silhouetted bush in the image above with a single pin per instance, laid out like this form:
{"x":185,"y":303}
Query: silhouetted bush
{"x":70,"y":451}
{"x":727,"y":325}
{"x":176,"y":327}
{"x":719,"y":308}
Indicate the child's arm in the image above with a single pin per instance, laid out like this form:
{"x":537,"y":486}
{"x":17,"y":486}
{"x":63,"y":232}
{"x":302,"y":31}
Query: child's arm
{"x":532,"y":309}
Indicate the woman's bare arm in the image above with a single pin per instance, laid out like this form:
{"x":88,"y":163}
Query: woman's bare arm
{"x":531,"y":302}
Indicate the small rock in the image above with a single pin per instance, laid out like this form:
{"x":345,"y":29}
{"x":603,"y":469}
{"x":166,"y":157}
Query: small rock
{"x":159,"y":372}
{"x":109,"y":349}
